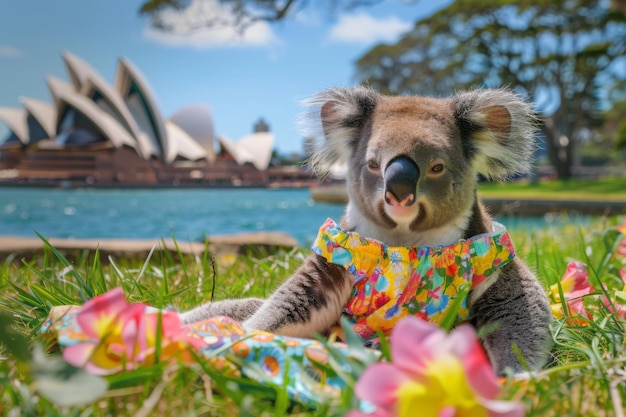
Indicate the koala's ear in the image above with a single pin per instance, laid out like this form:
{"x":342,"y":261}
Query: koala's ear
{"x":332,"y":122}
{"x":497,"y":129}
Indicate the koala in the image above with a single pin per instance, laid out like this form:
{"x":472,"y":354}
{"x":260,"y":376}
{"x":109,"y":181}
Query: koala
{"x":412,"y":174}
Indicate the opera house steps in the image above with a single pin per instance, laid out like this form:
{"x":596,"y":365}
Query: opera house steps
{"x":86,"y":167}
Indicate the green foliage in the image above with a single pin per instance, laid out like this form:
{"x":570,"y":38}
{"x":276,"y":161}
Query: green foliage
{"x":620,"y":143}
{"x":63,"y":384}
{"x":604,"y":188}
{"x":585,"y":377}
{"x":12,"y":341}
{"x":560,"y":53}
{"x":32,"y":385}
{"x":243,"y":12}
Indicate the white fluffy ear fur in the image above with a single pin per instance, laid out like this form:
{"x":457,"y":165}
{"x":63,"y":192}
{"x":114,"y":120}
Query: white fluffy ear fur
{"x":331,"y":124}
{"x":500,"y":127}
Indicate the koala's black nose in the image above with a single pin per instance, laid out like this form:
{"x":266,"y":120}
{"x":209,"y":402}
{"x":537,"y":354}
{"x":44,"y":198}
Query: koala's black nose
{"x":401,"y":176}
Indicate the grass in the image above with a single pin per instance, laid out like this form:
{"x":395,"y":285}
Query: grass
{"x":603,"y":189}
{"x":586,"y":376}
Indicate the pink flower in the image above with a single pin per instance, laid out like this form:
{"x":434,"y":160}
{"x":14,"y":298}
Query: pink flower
{"x":574,"y":281}
{"x":124,"y":336}
{"x":574,"y":284}
{"x":433,"y":374}
{"x":377,"y":413}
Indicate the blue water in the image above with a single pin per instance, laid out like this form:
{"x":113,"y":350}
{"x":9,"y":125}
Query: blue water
{"x":186,"y":214}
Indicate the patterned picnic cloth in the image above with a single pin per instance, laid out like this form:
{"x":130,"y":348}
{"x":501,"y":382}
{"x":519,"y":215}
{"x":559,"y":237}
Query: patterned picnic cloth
{"x":227,"y":344}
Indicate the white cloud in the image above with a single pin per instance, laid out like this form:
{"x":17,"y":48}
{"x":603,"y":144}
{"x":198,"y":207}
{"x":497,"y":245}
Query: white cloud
{"x":10,"y":51}
{"x":223,"y":34}
{"x":308,"y":17}
{"x":361,"y":28}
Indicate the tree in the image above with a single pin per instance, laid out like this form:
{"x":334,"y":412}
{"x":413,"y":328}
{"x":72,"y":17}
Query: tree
{"x":619,"y":5}
{"x":241,"y":13}
{"x":559,"y":52}
{"x":562,"y":53}
{"x":611,"y":133}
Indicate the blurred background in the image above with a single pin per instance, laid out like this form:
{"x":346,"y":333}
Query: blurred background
{"x":204,"y":94}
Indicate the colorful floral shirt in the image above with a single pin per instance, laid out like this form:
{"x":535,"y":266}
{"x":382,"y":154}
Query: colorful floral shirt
{"x":392,"y":282}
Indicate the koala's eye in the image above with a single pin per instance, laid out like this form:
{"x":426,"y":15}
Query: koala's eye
{"x":437,"y":169}
{"x":373,"y":165}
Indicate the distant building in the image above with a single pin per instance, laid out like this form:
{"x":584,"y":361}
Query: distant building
{"x":96,"y":134}
{"x":261,"y":126}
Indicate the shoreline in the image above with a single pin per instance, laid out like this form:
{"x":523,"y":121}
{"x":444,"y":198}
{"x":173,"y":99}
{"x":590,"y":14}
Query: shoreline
{"x":144,"y":186}
{"x":15,"y":248}
{"x":513,"y":205}
{"x":529,"y":207}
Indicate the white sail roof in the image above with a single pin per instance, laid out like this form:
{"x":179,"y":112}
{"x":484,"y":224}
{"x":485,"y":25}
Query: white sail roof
{"x":142,"y":104}
{"x":181,"y":145}
{"x":197,"y":121}
{"x":259,"y":145}
{"x":78,"y":70}
{"x":15,"y":119}
{"x":65,"y":96}
{"x":255,"y":149}
{"x":128,"y":115}
{"x":87,"y":80}
{"x":43,"y":112}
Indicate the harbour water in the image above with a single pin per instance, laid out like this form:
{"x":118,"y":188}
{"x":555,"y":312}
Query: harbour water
{"x":186,"y":214}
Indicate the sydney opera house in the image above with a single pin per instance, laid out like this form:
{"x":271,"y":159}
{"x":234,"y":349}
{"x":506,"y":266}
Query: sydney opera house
{"x":95,"y":134}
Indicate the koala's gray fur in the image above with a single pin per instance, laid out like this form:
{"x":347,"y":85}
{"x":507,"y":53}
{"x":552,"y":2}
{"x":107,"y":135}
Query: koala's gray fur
{"x":448,"y":142}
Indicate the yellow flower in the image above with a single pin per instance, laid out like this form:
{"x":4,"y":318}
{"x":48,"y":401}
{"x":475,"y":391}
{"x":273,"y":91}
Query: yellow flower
{"x":446,"y":387}
{"x":433,"y":374}
{"x":123,"y":336}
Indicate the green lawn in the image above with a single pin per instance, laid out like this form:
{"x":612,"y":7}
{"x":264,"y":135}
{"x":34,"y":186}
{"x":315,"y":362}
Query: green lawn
{"x":608,"y":188}
{"x":585,"y":377}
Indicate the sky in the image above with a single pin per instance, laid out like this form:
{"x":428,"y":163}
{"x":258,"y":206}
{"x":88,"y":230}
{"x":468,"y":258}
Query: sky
{"x":264,"y":73}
